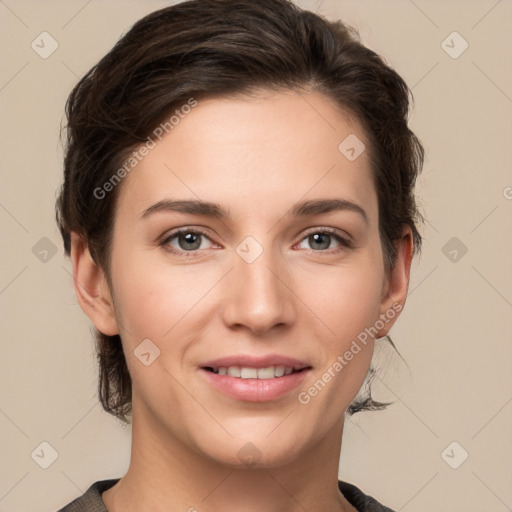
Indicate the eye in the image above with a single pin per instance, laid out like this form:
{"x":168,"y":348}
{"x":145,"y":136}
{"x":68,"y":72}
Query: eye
{"x":320,"y":240}
{"x":185,"y":240}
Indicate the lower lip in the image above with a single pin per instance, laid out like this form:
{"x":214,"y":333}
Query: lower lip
{"x":255,"y":390}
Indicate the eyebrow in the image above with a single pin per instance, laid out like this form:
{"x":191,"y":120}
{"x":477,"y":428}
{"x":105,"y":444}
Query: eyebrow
{"x":213,"y":210}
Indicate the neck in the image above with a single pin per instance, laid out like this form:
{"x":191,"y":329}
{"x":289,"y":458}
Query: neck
{"x":163,"y":471}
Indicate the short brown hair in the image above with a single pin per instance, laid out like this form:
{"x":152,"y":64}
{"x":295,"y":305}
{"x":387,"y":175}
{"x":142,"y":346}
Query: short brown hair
{"x":214,"y":48}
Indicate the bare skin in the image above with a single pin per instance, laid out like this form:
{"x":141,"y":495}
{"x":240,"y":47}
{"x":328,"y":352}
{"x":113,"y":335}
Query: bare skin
{"x":302,"y":297}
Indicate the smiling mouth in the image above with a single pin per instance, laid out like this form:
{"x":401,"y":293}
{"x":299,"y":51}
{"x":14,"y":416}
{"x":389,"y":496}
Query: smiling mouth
{"x":245,"y":372}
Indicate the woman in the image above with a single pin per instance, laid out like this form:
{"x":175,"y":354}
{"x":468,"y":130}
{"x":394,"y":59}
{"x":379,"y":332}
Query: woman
{"x":238,"y":205}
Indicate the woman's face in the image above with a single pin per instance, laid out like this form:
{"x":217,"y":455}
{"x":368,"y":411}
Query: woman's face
{"x":286,"y":279}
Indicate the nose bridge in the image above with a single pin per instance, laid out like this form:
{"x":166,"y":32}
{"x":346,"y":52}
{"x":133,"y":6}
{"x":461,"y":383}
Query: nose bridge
{"x":259,"y":298}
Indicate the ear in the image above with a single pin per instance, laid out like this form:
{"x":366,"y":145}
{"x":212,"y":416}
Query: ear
{"x":91,"y":288}
{"x":396,"y":285}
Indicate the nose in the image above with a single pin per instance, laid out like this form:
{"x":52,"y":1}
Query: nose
{"x":259,"y":298}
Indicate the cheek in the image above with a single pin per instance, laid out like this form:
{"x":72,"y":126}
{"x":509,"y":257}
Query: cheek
{"x":158,"y":300}
{"x":350,"y":306}
{"x":347,"y":301}
{"x":160,"y":305}
{"x":346,"y":298}
{"x":150,"y":303}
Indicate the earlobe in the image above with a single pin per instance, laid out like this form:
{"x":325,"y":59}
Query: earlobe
{"x":91,"y":288}
{"x":395,"y":292}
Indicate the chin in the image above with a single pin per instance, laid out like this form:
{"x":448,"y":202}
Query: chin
{"x":255,"y":450}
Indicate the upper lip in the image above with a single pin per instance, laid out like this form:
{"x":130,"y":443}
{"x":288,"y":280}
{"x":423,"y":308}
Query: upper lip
{"x":248,"y":361}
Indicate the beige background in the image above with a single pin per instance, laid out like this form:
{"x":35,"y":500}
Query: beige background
{"x":456,"y":329}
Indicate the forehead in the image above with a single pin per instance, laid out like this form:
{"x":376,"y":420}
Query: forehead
{"x":271,"y":147}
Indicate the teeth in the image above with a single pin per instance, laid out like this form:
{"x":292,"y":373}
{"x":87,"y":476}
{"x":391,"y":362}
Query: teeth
{"x":248,"y":373}
{"x":234,"y":371}
{"x":266,"y":373}
{"x":243,"y":372}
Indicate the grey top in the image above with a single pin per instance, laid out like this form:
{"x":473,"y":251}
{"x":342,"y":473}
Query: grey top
{"x":91,"y":500}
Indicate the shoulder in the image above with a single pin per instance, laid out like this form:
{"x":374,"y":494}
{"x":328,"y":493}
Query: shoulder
{"x":91,"y":500}
{"x":361,"y":501}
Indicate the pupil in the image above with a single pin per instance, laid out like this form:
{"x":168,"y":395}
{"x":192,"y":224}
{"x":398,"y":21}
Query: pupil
{"x":191,"y":238}
{"x":318,"y":237}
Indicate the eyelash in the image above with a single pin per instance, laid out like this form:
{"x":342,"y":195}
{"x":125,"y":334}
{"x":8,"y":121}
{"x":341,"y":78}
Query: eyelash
{"x":346,"y":243}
